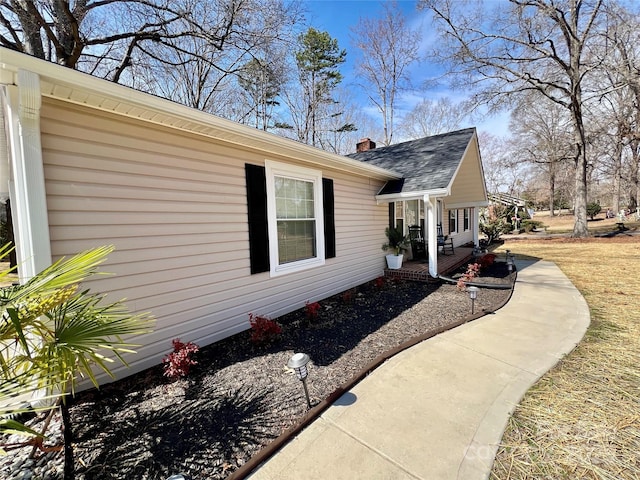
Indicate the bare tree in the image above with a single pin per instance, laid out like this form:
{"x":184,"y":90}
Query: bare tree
{"x":536,"y":45}
{"x":502,"y":173}
{"x":109,"y":37}
{"x":621,"y":70}
{"x":388,"y":47}
{"x":431,"y":117}
{"x":542,"y":133}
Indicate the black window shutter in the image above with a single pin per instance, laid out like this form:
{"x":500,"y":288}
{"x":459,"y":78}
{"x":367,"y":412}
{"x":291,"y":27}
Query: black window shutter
{"x":257,"y":209}
{"x":329,"y":218}
{"x":392,"y":209}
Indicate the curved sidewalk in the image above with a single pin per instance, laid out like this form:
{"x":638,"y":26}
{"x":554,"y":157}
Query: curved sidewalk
{"x":438,"y":410}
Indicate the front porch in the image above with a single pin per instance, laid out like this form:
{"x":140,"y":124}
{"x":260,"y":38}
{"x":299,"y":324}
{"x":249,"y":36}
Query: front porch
{"x":418,"y":270}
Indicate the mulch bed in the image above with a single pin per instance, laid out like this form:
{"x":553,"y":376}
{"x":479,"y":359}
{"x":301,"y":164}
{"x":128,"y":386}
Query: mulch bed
{"x":240,"y":397}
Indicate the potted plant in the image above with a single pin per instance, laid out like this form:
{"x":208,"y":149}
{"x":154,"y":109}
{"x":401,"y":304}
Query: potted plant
{"x":397,"y":243}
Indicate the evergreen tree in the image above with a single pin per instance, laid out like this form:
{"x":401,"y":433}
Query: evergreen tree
{"x":262,"y":86}
{"x":317,"y":59}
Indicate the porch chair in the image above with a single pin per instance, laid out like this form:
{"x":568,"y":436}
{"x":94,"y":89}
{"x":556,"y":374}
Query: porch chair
{"x":416,"y":237}
{"x":444,"y":241}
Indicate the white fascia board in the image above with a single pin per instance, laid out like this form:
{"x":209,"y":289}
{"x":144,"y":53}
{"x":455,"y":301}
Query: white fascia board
{"x":481,"y":203}
{"x":399,"y":197}
{"x":484,"y":181}
{"x":62,"y":83}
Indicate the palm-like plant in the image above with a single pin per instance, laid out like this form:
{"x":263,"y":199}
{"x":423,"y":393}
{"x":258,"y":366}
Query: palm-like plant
{"x":397,"y":242}
{"x":51,"y":333}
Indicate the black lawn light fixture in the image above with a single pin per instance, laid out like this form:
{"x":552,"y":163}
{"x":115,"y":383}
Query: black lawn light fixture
{"x":299,"y":363}
{"x":510,"y":263}
{"x":473,"y":294}
{"x":179,"y":476}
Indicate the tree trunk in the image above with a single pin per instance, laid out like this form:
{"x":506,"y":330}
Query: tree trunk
{"x":617,"y":174}
{"x":552,"y":189}
{"x":69,"y":469}
{"x":580,"y":228}
{"x":636,"y":176}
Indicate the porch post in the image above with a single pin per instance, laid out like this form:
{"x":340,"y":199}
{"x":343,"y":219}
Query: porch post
{"x":21,"y":106}
{"x":431,"y":233}
{"x":476,"y":226}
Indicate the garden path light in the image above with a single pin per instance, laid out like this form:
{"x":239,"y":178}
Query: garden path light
{"x":299,"y":363}
{"x":473,"y":294}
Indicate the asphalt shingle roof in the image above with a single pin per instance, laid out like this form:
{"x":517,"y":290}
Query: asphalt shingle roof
{"x":426,"y":164}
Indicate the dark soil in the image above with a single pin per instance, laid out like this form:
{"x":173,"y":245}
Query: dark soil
{"x":240,"y":396}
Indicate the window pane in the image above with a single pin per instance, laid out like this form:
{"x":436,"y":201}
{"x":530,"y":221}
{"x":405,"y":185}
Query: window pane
{"x":295,"y":213}
{"x":399,"y":213}
{"x":296,"y":240}
{"x":294,"y":198}
{"x":411,"y":212}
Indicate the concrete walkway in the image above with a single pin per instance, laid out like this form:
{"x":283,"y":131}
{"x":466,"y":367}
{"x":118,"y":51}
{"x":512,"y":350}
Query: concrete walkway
{"x":438,"y":410}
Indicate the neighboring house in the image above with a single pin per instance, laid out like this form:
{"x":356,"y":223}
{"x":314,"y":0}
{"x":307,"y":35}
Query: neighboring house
{"x":442,"y":182}
{"x":211,"y":220}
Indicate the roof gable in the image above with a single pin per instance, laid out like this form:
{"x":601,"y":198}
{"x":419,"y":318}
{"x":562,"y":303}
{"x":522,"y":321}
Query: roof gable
{"x":426,"y":164}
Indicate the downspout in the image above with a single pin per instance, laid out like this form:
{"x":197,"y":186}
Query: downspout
{"x":21,"y":106}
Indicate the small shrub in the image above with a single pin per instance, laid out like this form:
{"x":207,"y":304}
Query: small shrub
{"x":347,"y":297}
{"x":494,"y":228}
{"x":178,"y":363}
{"x":593,"y":209}
{"x":379,"y":283}
{"x":472,"y":272}
{"x":311,"y":310}
{"x":487,"y":260}
{"x":263,"y":329}
{"x":530,"y":225}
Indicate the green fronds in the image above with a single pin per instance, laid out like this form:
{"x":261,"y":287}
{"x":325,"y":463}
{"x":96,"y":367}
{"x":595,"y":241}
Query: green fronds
{"x":85,"y":333}
{"x":51,"y":335}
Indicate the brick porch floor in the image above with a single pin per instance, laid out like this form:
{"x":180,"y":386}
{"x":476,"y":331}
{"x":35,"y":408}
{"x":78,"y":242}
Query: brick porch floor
{"x":419,"y":270}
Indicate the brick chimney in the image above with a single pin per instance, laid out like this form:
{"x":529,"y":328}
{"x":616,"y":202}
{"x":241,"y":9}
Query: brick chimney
{"x":364,"y":145}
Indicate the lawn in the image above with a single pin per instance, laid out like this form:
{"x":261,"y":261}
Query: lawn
{"x":582,"y":419}
{"x":563,"y":222}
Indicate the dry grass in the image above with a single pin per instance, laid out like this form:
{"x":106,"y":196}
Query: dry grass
{"x":582,"y":419}
{"x":563,"y":222}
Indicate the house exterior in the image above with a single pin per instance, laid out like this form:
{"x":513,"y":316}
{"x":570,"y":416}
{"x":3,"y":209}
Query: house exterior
{"x":442,"y":183}
{"x":211,"y":220}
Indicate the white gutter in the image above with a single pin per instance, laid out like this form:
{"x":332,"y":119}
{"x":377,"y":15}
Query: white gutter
{"x":398,"y":197}
{"x":83,"y":89}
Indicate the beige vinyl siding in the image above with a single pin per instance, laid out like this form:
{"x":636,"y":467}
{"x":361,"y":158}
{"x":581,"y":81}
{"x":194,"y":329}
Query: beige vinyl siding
{"x":462,"y":237}
{"x":174,"y":205}
{"x":468,"y":186}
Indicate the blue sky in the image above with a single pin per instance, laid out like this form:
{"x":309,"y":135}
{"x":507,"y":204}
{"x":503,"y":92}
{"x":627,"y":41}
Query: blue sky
{"x":337,"y":17}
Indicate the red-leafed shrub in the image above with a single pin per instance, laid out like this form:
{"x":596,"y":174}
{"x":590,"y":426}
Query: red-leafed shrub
{"x":347,"y":297}
{"x":472,"y":272}
{"x":263,"y":329}
{"x":311,"y":310}
{"x":178,"y":363}
{"x":487,"y":260}
{"x":379,"y":283}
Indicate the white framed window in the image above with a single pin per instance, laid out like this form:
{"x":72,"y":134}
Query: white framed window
{"x":408,"y":213}
{"x":453,"y":221}
{"x":295,"y":217}
{"x":467,"y":219}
